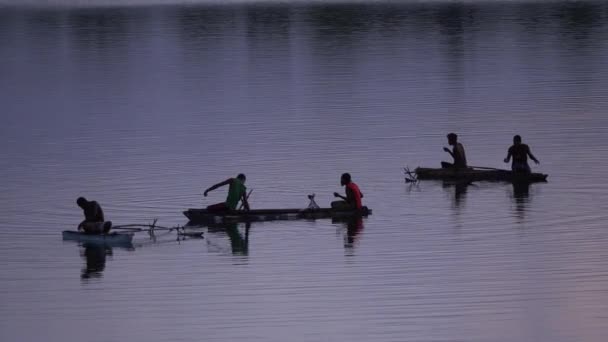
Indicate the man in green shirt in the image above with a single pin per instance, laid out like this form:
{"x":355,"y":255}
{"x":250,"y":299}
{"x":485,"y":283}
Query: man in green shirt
{"x":236,"y":192}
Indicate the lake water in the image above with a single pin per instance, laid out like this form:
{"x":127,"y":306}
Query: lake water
{"x":141,"y":108}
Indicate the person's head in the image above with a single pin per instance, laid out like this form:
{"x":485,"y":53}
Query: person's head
{"x":241,"y":177}
{"x":452,"y":138}
{"x":516,"y":140}
{"x":345,"y":179}
{"x":81,"y":201}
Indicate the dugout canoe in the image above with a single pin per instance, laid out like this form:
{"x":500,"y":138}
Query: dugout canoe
{"x":113,"y":238}
{"x":472,"y":174}
{"x":197,"y":216}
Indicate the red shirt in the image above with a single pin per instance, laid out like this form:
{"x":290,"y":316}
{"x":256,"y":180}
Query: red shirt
{"x":356,"y":194}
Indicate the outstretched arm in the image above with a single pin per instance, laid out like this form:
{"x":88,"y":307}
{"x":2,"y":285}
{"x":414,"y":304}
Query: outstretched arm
{"x":226,"y":182}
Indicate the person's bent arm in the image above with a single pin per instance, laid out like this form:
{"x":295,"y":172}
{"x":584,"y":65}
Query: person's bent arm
{"x":226,"y":182}
{"x":448,"y":151}
{"x":533,"y":157}
{"x":508,"y":156}
{"x":340,"y":196}
{"x":245,"y":202}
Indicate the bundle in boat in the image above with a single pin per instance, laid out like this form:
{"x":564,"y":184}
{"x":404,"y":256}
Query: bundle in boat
{"x":477,"y":174}
{"x":205,"y":216}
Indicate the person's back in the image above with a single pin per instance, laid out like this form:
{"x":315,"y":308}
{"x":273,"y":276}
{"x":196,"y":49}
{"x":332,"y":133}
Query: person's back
{"x":353,"y":195}
{"x":460,"y":158}
{"x":93,"y":212}
{"x":519,"y":152}
{"x":235,"y":193}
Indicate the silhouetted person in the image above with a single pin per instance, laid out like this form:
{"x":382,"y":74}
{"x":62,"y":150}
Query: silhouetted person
{"x":236,"y":192}
{"x":353,"y":195}
{"x":457,"y":153}
{"x":520,"y":153}
{"x":94,"y":221}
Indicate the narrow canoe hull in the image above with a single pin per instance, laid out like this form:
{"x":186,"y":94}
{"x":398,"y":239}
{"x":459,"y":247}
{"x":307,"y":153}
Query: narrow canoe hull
{"x":204,"y":216}
{"x":108,"y":239}
{"x":479,"y":175}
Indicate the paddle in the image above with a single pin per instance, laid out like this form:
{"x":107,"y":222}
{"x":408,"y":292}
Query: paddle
{"x":486,"y":168}
{"x":246,"y":198}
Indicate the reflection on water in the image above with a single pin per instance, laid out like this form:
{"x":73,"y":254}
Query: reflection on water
{"x":354,"y":228}
{"x":239,"y":241}
{"x":95,"y":255}
{"x":521,"y":194}
{"x":459,"y":191}
{"x":141,"y":107}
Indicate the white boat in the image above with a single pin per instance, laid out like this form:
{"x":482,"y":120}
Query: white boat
{"x":114,"y":238}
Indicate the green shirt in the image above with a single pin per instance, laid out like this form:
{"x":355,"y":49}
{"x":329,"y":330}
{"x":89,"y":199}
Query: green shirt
{"x":235,"y":192}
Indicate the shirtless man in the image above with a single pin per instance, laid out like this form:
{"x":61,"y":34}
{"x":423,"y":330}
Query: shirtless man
{"x":520,"y":153}
{"x":460,"y":159}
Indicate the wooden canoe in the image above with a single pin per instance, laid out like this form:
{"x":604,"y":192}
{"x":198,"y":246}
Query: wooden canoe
{"x":204,"y":216}
{"x":472,"y":174}
{"x":113,"y":238}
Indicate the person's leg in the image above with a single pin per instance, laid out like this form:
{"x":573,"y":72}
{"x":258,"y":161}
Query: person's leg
{"x":93,"y":227}
{"x":340,"y":205}
{"x":107,"y":226}
{"x":218,"y":207}
{"x":446,"y":165}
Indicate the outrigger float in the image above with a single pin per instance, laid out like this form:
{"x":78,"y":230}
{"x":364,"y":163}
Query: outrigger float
{"x":114,"y":238}
{"x":473,"y":174}
{"x":124,"y":237}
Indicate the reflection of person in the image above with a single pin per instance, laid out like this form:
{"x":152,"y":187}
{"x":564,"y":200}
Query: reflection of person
{"x":457,"y":153}
{"x":460,"y":191}
{"x":521,"y":193}
{"x":95,"y":255}
{"x":520,"y":153}
{"x":93,"y":217}
{"x":239,"y":244}
{"x":353,"y":197}
{"x":236,"y":192}
{"x":354,"y":226}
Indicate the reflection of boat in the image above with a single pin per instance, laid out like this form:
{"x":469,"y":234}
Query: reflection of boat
{"x":473,"y":174}
{"x":111,"y":239}
{"x":205,"y":216}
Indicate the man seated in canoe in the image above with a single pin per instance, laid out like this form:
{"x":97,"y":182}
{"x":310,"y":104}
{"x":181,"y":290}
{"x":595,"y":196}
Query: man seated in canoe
{"x":236,"y":192}
{"x":94,"y":222}
{"x":352,"y":200}
{"x":457,"y":153}
{"x":520,"y":153}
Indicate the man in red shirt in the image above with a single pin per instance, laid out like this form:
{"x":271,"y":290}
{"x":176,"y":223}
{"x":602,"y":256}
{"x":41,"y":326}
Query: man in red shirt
{"x":352,"y":200}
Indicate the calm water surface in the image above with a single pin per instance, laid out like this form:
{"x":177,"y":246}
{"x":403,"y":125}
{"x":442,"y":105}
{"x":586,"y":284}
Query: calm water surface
{"x":141,"y":108}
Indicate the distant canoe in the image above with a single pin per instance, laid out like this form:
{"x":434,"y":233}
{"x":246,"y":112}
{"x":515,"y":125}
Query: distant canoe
{"x":472,"y":174}
{"x":204,"y":216}
{"x":113,"y":238}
